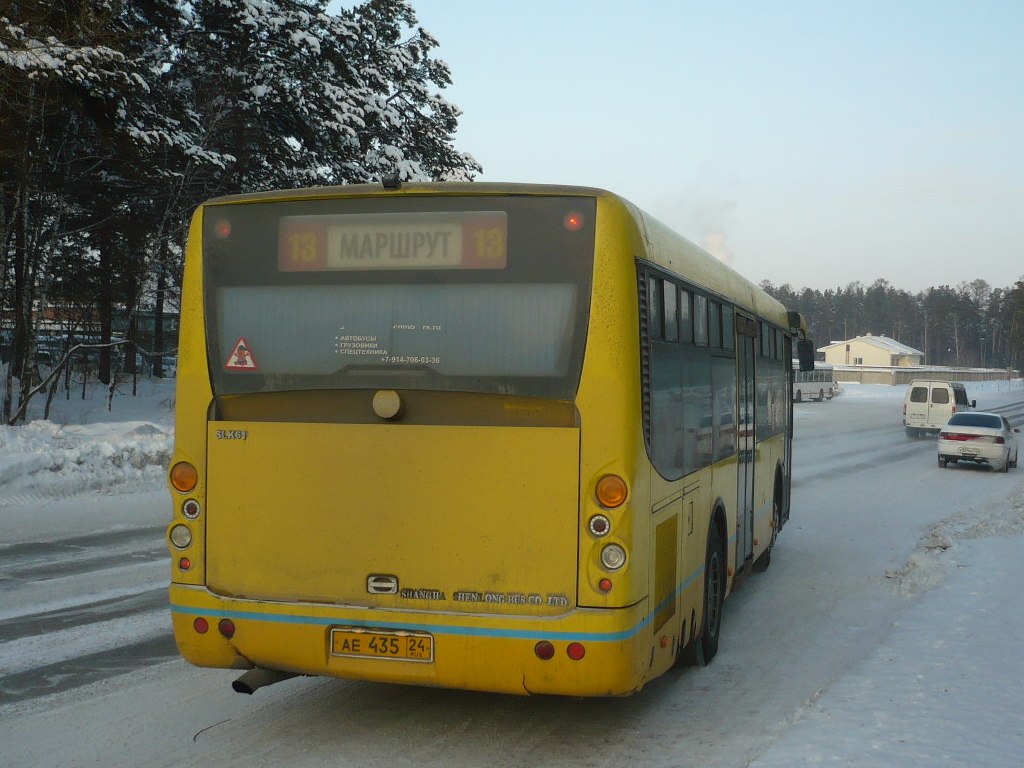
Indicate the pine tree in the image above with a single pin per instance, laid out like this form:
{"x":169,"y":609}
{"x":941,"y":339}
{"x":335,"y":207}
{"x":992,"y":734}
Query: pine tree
{"x":120,"y":117}
{"x":296,"y":97}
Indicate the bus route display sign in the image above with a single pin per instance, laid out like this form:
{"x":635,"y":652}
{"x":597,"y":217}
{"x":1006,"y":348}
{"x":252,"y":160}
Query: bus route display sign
{"x":386,"y":241}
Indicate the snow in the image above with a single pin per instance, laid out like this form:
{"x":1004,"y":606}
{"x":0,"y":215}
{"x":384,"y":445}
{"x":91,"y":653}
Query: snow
{"x":83,"y":446}
{"x":929,"y":670}
{"x":943,"y":689}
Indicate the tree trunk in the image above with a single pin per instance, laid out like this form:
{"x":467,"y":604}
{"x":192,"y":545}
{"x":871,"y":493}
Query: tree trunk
{"x":106,"y":298}
{"x":20,"y":365}
{"x":158,"y":314}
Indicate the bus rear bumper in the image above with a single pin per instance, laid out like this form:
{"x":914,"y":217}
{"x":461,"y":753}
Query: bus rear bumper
{"x":592,"y":652}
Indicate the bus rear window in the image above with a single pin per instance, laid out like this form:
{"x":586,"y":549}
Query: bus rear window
{"x":479,"y":294}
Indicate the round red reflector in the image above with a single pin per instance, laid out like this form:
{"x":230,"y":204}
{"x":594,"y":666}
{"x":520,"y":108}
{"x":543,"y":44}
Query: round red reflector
{"x":600,"y":525}
{"x":227,"y":628}
{"x":576,"y":651}
{"x":605,"y":585}
{"x":544,"y":650}
{"x":573,"y":221}
{"x":201,"y":625}
{"x":222,"y":228}
{"x":184,"y":563}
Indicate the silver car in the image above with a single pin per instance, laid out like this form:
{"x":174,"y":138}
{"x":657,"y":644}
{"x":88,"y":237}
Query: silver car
{"x":980,"y":438}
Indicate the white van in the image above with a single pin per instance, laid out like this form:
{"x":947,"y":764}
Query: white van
{"x":929,"y":403}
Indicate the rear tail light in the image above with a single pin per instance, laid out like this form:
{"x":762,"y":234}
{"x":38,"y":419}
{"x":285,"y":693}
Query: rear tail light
{"x":576,"y":651}
{"x":184,"y":477}
{"x":181,"y":536}
{"x":600,"y":525}
{"x":613,"y":557}
{"x":961,"y":437}
{"x":544,"y":650}
{"x":611,"y":491}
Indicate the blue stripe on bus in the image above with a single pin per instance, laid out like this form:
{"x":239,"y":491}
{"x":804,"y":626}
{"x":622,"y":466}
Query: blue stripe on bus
{"x":437,"y":629}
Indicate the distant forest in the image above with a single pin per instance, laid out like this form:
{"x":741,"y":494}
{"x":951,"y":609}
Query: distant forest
{"x":971,"y":325}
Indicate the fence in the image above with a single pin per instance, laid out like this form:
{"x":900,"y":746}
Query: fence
{"x":904,"y":375}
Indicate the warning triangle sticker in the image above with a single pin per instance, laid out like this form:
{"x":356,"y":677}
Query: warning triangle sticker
{"x":241,"y":358}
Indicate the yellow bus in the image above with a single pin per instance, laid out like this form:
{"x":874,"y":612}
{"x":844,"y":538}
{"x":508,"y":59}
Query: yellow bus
{"x":511,"y":438}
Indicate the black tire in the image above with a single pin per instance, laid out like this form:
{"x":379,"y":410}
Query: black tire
{"x":705,"y":646}
{"x":821,"y":395}
{"x":1006,"y":464}
{"x":942,"y":463}
{"x":762,"y":562}
{"x":799,"y":396}
{"x":911,"y":432}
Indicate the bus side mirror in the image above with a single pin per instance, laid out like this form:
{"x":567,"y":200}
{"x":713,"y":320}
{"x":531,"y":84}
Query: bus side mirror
{"x":805,"y":354}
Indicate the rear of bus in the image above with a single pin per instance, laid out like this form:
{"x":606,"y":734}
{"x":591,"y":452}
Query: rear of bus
{"x":388,"y":450}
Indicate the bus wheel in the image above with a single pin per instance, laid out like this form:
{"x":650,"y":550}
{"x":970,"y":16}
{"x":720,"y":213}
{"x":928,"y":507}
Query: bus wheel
{"x":765,"y":559}
{"x":821,"y":395}
{"x":799,"y":396}
{"x":704,"y":648}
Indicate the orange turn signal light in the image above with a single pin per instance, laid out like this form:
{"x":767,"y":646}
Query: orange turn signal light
{"x":184,"y":477}
{"x":611,"y":491}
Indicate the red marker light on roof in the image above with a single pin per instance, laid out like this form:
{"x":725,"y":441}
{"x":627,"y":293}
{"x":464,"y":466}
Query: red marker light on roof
{"x":573,"y":221}
{"x":222,"y":228}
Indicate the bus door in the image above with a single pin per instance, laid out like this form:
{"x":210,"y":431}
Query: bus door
{"x":746,"y":348}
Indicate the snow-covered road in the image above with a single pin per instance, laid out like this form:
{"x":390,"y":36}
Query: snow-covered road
{"x":887,"y":632}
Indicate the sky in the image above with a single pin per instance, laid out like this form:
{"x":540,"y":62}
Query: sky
{"x":941,"y":686}
{"x":809,"y":143}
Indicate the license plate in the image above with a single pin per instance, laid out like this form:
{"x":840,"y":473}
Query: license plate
{"x":397,"y":645}
{"x":968,"y":451}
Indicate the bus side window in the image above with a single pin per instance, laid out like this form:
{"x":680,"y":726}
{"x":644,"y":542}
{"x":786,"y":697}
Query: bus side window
{"x":728,"y":329}
{"x":655,"y":310}
{"x":700,"y":320}
{"x":671,"y":314}
{"x":685,"y":318}
{"x":715,"y":325}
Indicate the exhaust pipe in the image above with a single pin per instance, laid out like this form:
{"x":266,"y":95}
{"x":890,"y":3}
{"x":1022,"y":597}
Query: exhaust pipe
{"x":259,"y":677}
